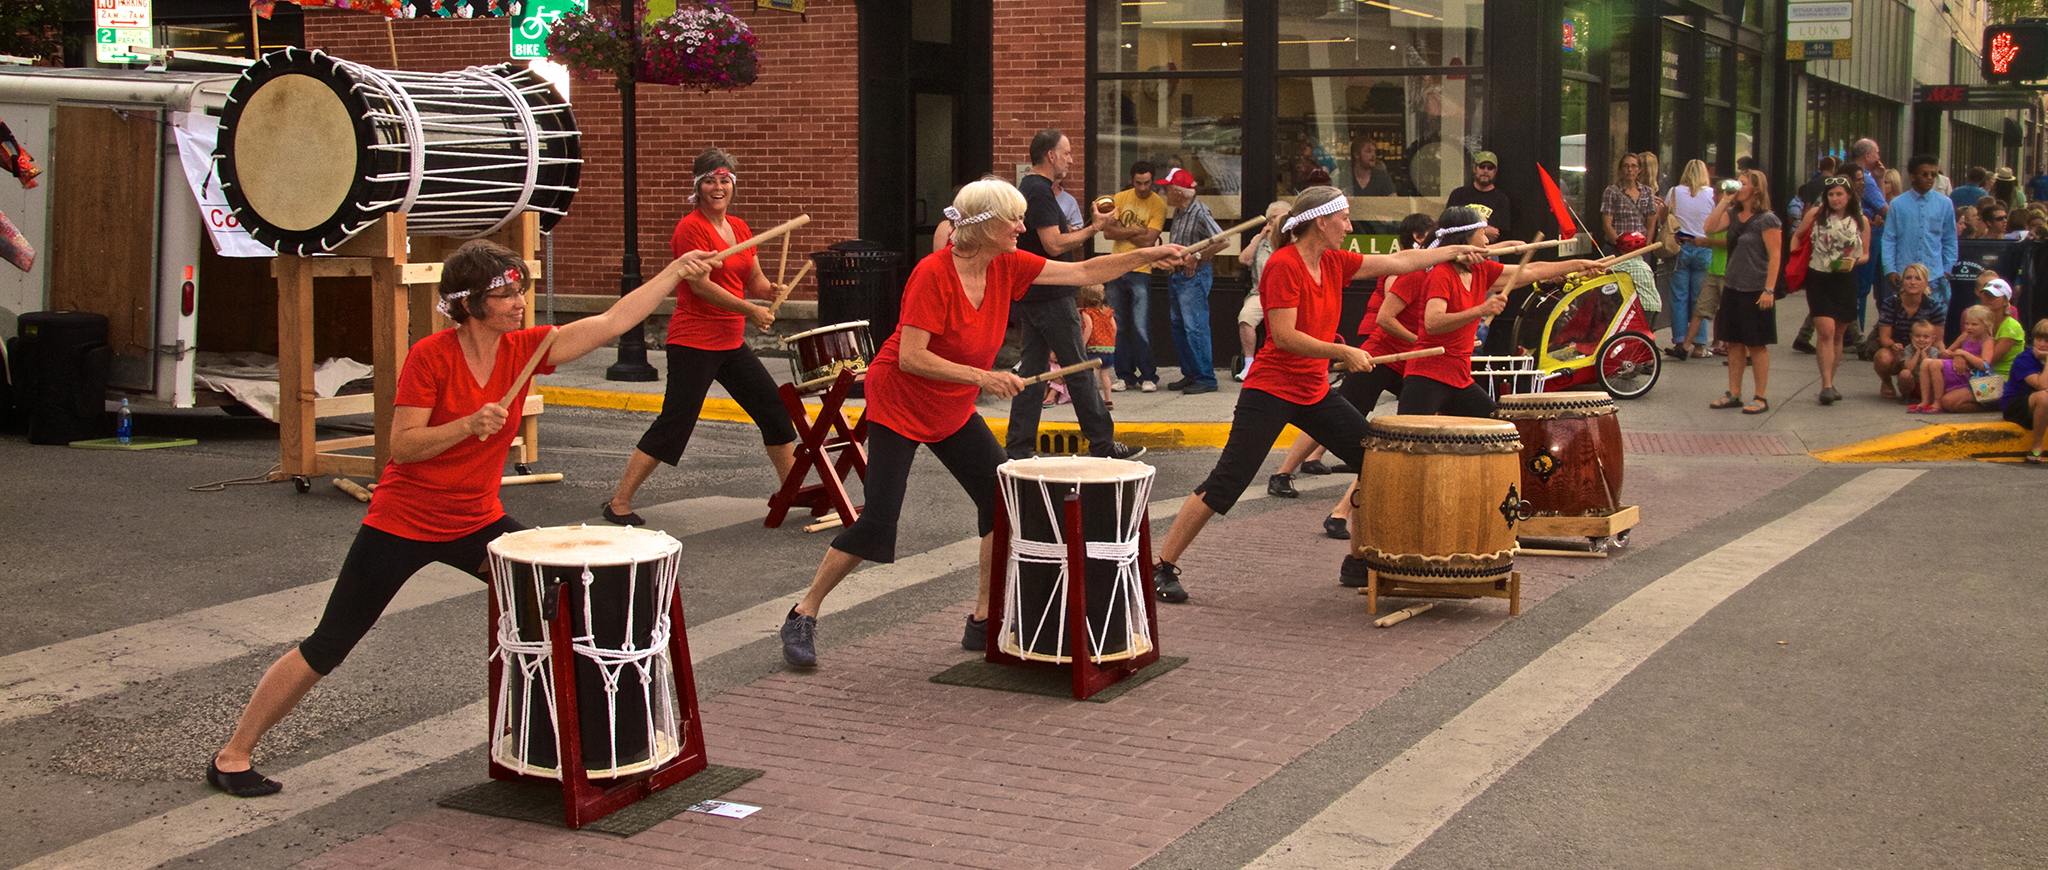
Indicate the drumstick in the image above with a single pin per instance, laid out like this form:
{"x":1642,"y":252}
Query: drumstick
{"x":783,"y":269}
{"x":1401,"y":615}
{"x":1517,"y":247}
{"x":515,"y":479}
{"x":539,"y":354}
{"x":1568,"y":554}
{"x":1224,"y":236}
{"x":1058,"y":373}
{"x":1610,"y":261}
{"x":1385,"y":358}
{"x":770,"y":235}
{"x":832,"y":522}
{"x":779,"y":297}
{"x":1527,"y":253}
{"x":352,"y":488}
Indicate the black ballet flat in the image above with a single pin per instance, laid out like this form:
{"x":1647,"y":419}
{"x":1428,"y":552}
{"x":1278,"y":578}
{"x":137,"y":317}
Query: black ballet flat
{"x":628,"y":518}
{"x":241,"y":783}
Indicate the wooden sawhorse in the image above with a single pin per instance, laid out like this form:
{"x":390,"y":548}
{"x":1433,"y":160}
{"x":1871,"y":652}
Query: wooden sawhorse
{"x":817,"y":440}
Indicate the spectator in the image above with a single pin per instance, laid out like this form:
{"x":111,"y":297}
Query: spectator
{"x":1188,"y":287}
{"x":2026,"y":391}
{"x":1893,"y":186}
{"x":1140,"y":217}
{"x":1941,"y":183}
{"x":1747,"y":322}
{"x":2005,"y":187}
{"x":1969,"y":225}
{"x":1896,"y":317}
{"x":1864,"y":153}
{"x":1691,"y":200}
{"x":1482,"y":192}
{"x":1046,"y":317}
{"x":1923,"y":347}
{"x":1745,"y":163}
{"x":2037,"y":190}
{"x":1972,"y":189}
{"x":1659,"y":266}
{"x":1998,"y":224}
{"x":1628,"y":204}
{"x":1709,"y":302}
{"x":1810,"y":191}
{"x":1945,"y":377}
{"x":1922,"y":229}
{"x":1368,"y":177}
{"x":2006,"y":332}
{"x":1070,"y":208}
{"x":1250,"y":314}
{"x":1840,"y":241}
{"x":1101,"y":334}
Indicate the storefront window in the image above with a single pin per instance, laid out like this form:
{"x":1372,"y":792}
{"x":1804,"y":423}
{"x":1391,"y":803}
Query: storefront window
{"x":1166,"y":35}
{"x":1618,"y":53}
{"x":1667,"y":126}
{"x":1364,"y":34}
{"x":1416,"y":132}
{"x":1577,"y":39}
{"x":1746,"y":91}
{"x":1193,"y":123}
{"x":1710,"y":70}
{"x":1674,"y":50}
{"x":1710,"y":135}
{"x":1745,"y":135}
{"x":1571,"y":145}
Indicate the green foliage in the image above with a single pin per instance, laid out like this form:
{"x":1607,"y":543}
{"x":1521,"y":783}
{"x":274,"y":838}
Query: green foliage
{"x":31,"y":28}
{"x":2005,"y":11}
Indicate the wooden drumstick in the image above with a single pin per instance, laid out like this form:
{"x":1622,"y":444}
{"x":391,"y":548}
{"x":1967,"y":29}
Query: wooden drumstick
{"x":516,"y":479}
{"x":540,"y":353}
{"x":783,"y":268}
{"x":1385,"y":358}
{"x":1224,"y":236}
{"x":1518,"y":247}
{"x":1058,"y":373}
{"x":352,"y":488}
{"x":779,"y":297}
{"x":768,"y":236}
{"x":1401,"y":615}
{"x":1639,"y":252}
{"x":1527,"y":254}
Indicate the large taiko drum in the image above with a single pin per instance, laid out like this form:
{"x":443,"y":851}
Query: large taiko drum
{"x":1113,"y":494}
{"x":1438,"y":499}
{"x":619,"y":585}
{"x":1571,"y":451}
{"x":314,"y":148}
{"x":822,"y":353}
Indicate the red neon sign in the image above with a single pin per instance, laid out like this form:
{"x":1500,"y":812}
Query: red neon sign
{"x":2002,"y":53}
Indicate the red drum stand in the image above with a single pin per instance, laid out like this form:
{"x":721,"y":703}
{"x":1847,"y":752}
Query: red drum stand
{"x":817,"y":438}
{"x":1089,"y":677}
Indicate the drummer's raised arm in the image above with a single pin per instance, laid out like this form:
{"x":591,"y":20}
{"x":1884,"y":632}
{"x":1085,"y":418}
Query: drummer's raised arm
{"x":1411,"y":260}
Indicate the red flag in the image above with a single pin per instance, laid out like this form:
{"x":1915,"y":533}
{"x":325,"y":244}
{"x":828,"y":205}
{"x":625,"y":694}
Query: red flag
{"x":1565,"y":228}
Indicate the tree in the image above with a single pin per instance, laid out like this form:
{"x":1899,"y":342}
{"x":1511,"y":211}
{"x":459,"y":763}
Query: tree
{"x":32,"y":28}
{"x":2007,"y":11}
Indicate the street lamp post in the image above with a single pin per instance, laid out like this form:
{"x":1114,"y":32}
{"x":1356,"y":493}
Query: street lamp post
{"x":632,"y":363}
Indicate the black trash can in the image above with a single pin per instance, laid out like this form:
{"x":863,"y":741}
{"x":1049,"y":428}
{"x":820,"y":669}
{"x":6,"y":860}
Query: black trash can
{"x":61,"y":362}
{"x":2010,"y":258}
{"x":857,"y":280}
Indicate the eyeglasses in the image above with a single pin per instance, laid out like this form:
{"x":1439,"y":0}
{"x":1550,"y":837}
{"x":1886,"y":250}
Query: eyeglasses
{"x":513,"y":293}
{"x":1834,"y":180}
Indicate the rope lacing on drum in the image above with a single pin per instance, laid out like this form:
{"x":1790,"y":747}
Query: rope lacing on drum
{"x":1127,"y":589}
{"x":611,"y":664}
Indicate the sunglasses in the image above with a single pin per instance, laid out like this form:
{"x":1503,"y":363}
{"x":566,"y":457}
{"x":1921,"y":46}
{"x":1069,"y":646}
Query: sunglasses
{"x":1834,"y":180}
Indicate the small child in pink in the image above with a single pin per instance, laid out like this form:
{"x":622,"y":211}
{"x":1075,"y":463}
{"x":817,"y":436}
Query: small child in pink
{"x":1940,"y":374}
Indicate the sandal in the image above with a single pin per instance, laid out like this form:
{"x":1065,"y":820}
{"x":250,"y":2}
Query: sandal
{"x":1726,"y":401}
{"x":2033,"y":458}
{"x":1757,"y":405}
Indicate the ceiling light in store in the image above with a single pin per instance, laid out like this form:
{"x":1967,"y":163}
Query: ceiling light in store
{"x":1312,"y":41}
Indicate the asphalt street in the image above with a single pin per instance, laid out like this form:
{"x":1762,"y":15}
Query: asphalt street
{"x":1871,"y":697}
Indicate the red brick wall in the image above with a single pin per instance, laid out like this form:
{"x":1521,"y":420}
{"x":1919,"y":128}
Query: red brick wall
{"x":795,"y":131}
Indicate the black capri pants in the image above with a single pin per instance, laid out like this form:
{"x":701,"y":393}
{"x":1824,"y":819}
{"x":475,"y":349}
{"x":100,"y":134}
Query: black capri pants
{"x":1421,"y":394}
{"x":971,"y":454}
{"x":378,"y":563}
{"x":1363,"y":389}
{"x":1259,"y":417}
{"x":690,"y":373}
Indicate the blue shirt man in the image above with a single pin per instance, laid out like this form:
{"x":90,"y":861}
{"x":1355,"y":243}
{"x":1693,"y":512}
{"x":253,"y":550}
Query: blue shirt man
{"x":1921,"y":228}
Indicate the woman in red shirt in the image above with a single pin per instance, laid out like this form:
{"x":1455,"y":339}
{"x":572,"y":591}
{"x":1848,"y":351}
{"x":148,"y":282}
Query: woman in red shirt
{"x":1290,"y":383}
{"x":922,"y":386}
{"x":437,"y":501}
{"x":707,"y":342}
{"x":1456,"y":296}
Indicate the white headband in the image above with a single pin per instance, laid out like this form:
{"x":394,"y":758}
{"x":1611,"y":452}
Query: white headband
{"x":511,"y":276}
{"x":694,"y":182}
{"x":953,"y":214}
{"x":1446,"y":231}
{"x":1331,"y":207}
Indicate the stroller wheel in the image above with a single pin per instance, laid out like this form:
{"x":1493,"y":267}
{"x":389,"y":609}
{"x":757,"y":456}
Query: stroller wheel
{"x":1629,"y":364}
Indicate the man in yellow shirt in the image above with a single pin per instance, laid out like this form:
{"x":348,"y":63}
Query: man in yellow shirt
{"x":1140,"y":215}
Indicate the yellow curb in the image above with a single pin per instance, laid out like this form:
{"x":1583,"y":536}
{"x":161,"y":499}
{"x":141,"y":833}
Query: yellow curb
{"x":1935,"y":443}
{"x":1152,"y":436}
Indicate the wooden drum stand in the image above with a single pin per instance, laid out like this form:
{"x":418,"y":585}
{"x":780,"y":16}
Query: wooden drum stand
{"x":817,"y":438}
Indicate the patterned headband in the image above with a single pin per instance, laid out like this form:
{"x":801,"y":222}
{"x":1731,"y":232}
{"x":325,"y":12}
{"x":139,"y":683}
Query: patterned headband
{"x":953,"y":214}
{"x":699,"y":179}
{"x":511,"y":276}
{"x":1448,"y":231}
{"x":1331,"y":207}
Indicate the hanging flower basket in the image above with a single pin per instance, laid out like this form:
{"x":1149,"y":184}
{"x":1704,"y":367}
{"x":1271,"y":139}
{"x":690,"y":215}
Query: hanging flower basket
{"x":702,"y":45}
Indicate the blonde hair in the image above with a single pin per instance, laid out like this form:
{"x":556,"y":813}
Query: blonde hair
{"x":1915,"y":269}
{"x":990,"y":194}
{"x":1651,"y":168}
{"x":1090,"y":296}
{"x":1982,"y":315}
{"x":1985,"y":277}
{"x":1694,"y":177}
{"x":1760,"y":200}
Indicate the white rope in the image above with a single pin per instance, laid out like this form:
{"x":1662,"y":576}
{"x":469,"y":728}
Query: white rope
{"x":530,"y":127}
{"x":1127,"y":593}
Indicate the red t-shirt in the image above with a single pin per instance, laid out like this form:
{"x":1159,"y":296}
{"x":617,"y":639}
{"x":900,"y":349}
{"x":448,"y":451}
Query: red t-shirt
{"x":923,"y":409}
{"x":697,"y":323}
{"x":1378,"y":341}
{"x":1317,"y":300}
{"x":455,"y":492}
{"x":1454,"y":365}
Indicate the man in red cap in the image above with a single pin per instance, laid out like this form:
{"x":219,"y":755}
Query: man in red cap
{"x":1187,"y":297}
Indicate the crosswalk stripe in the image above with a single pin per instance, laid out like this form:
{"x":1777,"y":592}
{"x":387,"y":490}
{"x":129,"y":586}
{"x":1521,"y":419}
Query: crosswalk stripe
{"x":1383,"y":819}
{"x":322,"y":781}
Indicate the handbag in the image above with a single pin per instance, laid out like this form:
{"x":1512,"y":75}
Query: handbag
{"x":1667,"y":236}
{"x":1796,"y":264}
{"x":1986,"y":387}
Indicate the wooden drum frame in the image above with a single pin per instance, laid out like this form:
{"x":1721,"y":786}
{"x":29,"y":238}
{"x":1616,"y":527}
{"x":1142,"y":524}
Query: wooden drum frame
{"x":1438,"y":499}
{"x":1571,"y":460}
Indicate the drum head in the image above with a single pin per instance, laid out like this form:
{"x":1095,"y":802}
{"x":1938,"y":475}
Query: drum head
{"x":1077,"y":469}
{"x":296,"y":150}
{"x":1417,"y":425}
{"x":573,"y":546}
{"x":836,"y":327}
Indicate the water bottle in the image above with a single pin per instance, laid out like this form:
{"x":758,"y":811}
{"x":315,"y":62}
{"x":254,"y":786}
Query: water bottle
{"x":124,"y":426}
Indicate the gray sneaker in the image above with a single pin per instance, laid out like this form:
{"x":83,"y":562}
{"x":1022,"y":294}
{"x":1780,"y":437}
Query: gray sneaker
{"x":1120,"y":450}
{"x":800,"y":640}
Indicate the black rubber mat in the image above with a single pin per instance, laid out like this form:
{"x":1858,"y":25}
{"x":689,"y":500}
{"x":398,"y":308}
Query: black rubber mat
{"x":1055,"y":681}
{"x":542,"y":802}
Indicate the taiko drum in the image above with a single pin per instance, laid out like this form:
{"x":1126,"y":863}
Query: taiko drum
{"x":1438,"y":499}
{"x":1571,"y":451}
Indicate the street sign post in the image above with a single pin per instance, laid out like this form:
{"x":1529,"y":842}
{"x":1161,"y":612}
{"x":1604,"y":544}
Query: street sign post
{"x":530,"y":29}
{"x":118,"y":23}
